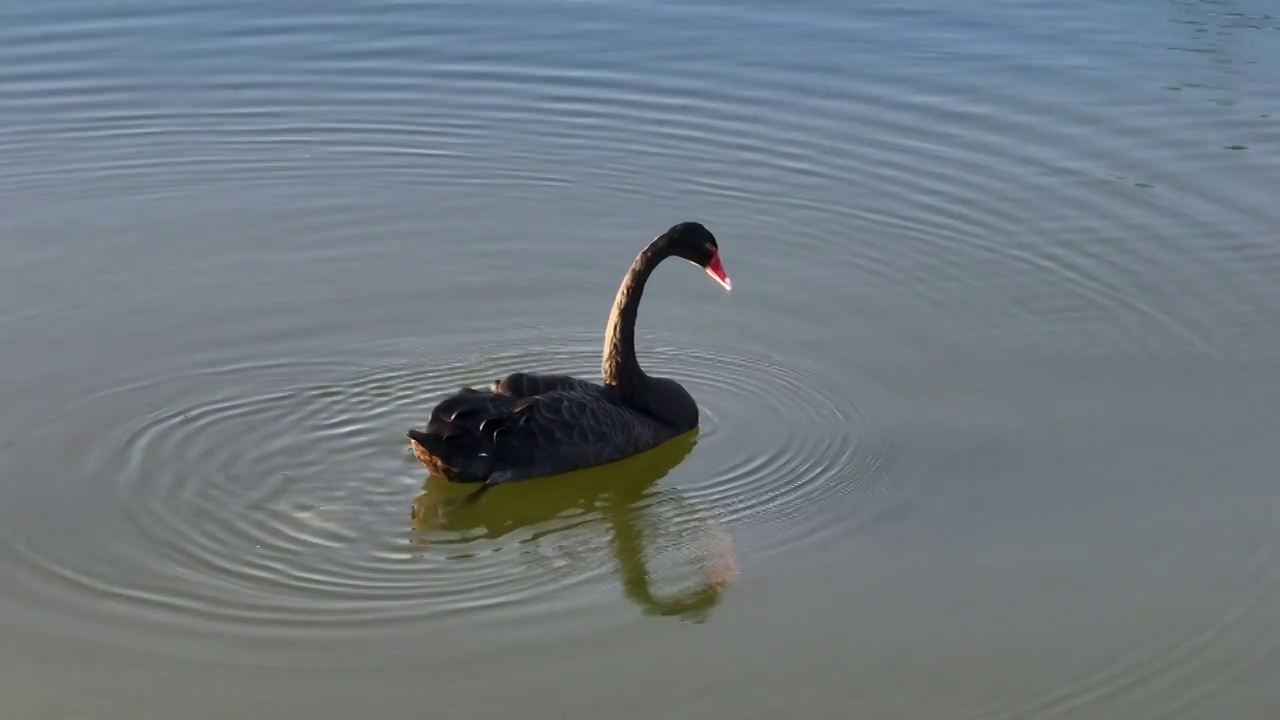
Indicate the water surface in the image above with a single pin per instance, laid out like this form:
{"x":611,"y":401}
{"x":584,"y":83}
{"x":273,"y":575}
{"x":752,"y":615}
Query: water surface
{"x":988,"y":419}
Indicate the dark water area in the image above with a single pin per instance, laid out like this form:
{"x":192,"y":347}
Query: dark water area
{"x":989,"y":419}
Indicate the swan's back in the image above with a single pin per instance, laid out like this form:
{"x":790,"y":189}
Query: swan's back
{"x":532,"y":426}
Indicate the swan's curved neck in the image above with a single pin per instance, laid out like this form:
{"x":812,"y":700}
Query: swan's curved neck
{"x":619,"y":365}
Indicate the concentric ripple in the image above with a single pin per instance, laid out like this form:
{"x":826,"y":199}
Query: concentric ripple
{"x":279,"y":495}
{"x":1013,"y":273}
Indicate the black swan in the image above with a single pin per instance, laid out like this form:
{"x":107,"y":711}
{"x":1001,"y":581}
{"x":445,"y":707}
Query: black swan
{"x":527,"y":426}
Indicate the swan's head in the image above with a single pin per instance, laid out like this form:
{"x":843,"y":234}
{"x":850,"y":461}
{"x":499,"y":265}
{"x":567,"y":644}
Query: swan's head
{"x":695,"y":243}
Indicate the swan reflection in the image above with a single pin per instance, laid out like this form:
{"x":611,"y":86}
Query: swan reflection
{"x":622,"y":496}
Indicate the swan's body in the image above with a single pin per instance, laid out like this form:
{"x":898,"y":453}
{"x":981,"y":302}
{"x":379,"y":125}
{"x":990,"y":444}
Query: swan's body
{"x":529,"y":425}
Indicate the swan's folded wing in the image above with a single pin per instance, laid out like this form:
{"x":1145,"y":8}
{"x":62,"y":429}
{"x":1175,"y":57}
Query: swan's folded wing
{"x":579,"y":427}
{"x":523,"y":385}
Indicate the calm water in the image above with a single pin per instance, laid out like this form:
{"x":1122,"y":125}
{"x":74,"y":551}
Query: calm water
{"x":989,"y":417}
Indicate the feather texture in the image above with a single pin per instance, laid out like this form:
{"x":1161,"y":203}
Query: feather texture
{"x":475,"y":435}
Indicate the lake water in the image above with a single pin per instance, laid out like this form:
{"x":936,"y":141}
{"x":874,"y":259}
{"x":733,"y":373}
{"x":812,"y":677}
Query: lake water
{"x":989,"y":418}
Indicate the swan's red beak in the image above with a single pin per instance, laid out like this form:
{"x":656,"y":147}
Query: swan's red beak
{"x":715,"y":269}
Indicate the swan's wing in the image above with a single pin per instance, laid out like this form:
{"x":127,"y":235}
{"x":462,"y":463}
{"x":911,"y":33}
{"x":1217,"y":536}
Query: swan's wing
{"x":523,"y":385}
{"x":475,"y":435}
{"x":566,"y":429}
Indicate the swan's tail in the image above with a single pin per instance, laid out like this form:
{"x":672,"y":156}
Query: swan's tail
{"x":450,"y":456}
{"x":429,"y":443}
{"x":459,"y":442}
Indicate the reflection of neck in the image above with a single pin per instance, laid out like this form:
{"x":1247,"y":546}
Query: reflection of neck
{"x":628,"y":550}
{"x":619,"y":365}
